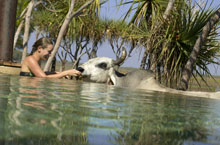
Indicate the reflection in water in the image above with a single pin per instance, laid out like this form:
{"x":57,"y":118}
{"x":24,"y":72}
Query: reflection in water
{"x":57,"y":111}
{"x":4,"y":91}
{"x":172,"y":121}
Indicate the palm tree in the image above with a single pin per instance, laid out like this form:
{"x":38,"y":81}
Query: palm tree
{"x":188,"y":69}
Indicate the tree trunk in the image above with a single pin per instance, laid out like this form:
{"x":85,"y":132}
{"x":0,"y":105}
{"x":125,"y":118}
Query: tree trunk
{"x":18,"y":31}
{"x":60,"y":35}
{"x":146,"y":52}
{"x":62,"y":31}
{"x":194,"y":54}
{"x":166,"y":15}
{"x":152,"y":65}
{"x":27,"y":28}
{"x":168,"y":9}
{"x":23,"y":15}
{"x":53,"y":67}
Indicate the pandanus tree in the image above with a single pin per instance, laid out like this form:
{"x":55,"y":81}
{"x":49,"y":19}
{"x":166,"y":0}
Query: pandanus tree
{"x":69,"y":16}
{"x":54,"y":18}
{"x":207,"y":29}
{"x":146,"y":16}
{"x":169,"y":41}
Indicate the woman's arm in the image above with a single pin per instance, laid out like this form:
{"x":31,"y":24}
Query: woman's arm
{"x":71,"y":72}
{"x":38,"y":72}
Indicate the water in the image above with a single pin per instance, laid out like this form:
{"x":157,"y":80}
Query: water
{"x":35,"y":111}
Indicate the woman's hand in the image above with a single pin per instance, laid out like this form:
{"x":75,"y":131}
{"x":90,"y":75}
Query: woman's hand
{"x":74,"y":72}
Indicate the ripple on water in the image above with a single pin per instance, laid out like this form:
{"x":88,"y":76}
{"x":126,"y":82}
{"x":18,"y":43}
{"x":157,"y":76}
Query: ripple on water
{"x":54,"y":111}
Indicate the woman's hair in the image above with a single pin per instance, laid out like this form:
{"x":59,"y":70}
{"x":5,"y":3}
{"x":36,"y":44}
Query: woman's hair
{"x":43,"y":42}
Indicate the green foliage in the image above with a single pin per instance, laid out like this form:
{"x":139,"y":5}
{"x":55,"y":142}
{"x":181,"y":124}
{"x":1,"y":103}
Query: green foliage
{"x":21,"y":5}
{"x":17,"y":54}
{"x":181,"y":34}
{"x":144,"y":10}
{"x":169,"y":43}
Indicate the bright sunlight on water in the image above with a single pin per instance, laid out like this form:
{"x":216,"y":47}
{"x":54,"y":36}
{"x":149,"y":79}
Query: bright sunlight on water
{"x":35,"y":111}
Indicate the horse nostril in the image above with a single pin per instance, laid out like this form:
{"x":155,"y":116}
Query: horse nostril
{"x":80,"y":69}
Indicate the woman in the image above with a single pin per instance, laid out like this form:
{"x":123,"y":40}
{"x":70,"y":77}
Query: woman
{"x":41,"y":50}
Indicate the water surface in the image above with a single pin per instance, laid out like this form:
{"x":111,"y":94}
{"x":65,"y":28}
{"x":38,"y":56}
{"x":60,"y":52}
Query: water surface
{"x":37,"y":111}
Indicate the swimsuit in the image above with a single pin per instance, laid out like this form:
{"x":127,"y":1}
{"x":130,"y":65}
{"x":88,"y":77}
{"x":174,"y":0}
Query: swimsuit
{"x":27,"y":74}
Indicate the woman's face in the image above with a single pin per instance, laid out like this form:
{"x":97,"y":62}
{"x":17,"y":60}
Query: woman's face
{"x":45,"y":53}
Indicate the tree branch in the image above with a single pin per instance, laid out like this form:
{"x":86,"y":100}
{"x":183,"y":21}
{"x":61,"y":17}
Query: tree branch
{"x":195,"y":52}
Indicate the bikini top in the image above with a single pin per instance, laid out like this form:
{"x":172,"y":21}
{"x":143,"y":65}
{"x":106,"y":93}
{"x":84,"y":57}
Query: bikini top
{"x":27,"y":74}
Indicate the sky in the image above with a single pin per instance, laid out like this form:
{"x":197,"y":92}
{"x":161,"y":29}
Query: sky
{"x":110,"y":11}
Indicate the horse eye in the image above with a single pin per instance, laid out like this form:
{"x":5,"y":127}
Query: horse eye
{"x":102,"y":65}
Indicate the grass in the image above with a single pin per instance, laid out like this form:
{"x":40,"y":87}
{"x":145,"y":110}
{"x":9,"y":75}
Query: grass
{"x":211,"y":85}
